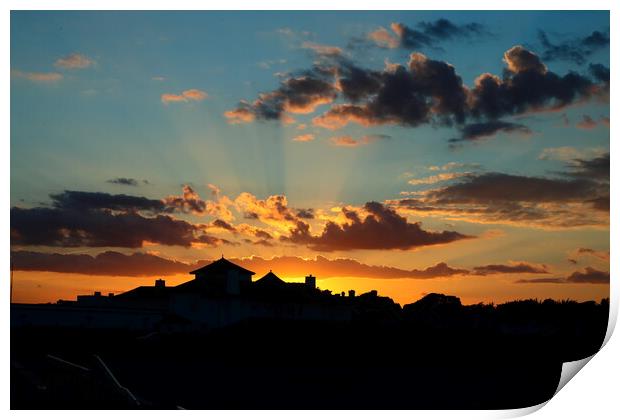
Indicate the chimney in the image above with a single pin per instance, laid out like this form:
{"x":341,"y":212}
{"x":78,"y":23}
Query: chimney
{"x":98,"y":294}
{"x":351,"y":293}
{"x":311,"y":281}
{"x":110,"y":294}
{"x":160,"y":283}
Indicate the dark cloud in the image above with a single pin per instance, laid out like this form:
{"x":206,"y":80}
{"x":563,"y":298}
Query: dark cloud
{"x":298,"y":95}
{"x":223,"y":225}
{"x":66,"y":227}
{"x":212,"y":240}
{"x":130,"y":182}
{"x":575,"y":50}
{"x":559,"y":202}
{"x":542,"y":280}
{"x":520,"y":60}
{"x":598,"y":254}
{"x":343,"y":267}
{"x":141,"y":264}
{"x":425,"y":34}
{"x":483,"y":130}
{"x":600,"y":203}
{"x":600,"y":72}
{"x":527,"y":85}
{"x":410,"y":38}
{"x":425,"y":91}
{"x":189,"y":202}
{"x":588,"y":276}
{"x":498,"y":187}
{"x":250,"y":215}
{"x":509,"y":269}
{"x":356,"y":83}
{"x":444,"y":29}
{"x":95,"y":219}
{"x":381,"y":228}
{"x":85,"y":201}
{"x":305,"y":213}
{"x":105,"y":264}
{"x":595,"y":169}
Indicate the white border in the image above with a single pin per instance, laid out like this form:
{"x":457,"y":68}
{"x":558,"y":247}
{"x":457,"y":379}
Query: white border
{"x":592,"y":394}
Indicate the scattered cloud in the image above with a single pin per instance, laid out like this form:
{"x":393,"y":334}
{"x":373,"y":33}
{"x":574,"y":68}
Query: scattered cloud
{"x":434,"y":179}
{"x":549,"y":203}
{"x":188,"y":202}
{"x":486,"y":130}
{"x":297,"y":95}
{"x":520,"y":267}
{"x":304,"y":138}
{"x":37,"y":77}
{"x":424,"y":91}
{"x":381,"y":228}
{"x":96,"y":219}
{"x":589,"y":123}
{"x":74,"y":61}
{"x":454,"y":165}
{"x":577,"y":50}
{"x":588,"y":276}
{"x":425,"y":34}
{"x":75,"y":227}
{"x":190,"y":95}
{"x":130,"y":182}
{"x":273,"y":211}
{"x":600,"y":255}
{"x":322,"y":50}
{"x":305,"y":213}
{"x":600,"y":72}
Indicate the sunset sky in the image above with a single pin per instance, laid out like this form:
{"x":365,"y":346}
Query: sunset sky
{"x":465,"y":153}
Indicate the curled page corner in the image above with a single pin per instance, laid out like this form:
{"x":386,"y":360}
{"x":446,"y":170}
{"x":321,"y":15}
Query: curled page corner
{"x":518,"y":412}
{"x":569,"y":370}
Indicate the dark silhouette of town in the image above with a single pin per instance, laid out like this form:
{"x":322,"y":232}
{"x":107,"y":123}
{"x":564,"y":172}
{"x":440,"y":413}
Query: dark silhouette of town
{"x":224,"y":341}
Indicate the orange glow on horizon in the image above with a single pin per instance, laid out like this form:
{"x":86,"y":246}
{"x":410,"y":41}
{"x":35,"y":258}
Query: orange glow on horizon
{"x":46,"y":287}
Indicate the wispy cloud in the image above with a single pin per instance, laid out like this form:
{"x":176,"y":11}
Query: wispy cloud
{"x":433,"y":179}
{"x":320,"y":49}
{"x":589,"y":123}
{"x":348,"y":141}
{"x":568,"y":153}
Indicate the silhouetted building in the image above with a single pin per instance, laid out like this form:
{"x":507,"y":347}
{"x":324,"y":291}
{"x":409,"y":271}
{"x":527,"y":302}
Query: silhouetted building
{"x":221,"y":293}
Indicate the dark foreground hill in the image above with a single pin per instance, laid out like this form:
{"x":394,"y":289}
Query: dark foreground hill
{"x":434,"y":353}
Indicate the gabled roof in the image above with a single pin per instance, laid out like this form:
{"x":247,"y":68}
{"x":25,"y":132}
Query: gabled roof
{"x":219,"y":266}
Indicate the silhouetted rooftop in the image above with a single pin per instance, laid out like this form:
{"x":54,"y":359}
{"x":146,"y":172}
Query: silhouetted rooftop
{"x":270,"y":279}
{"x":220,"y":265}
